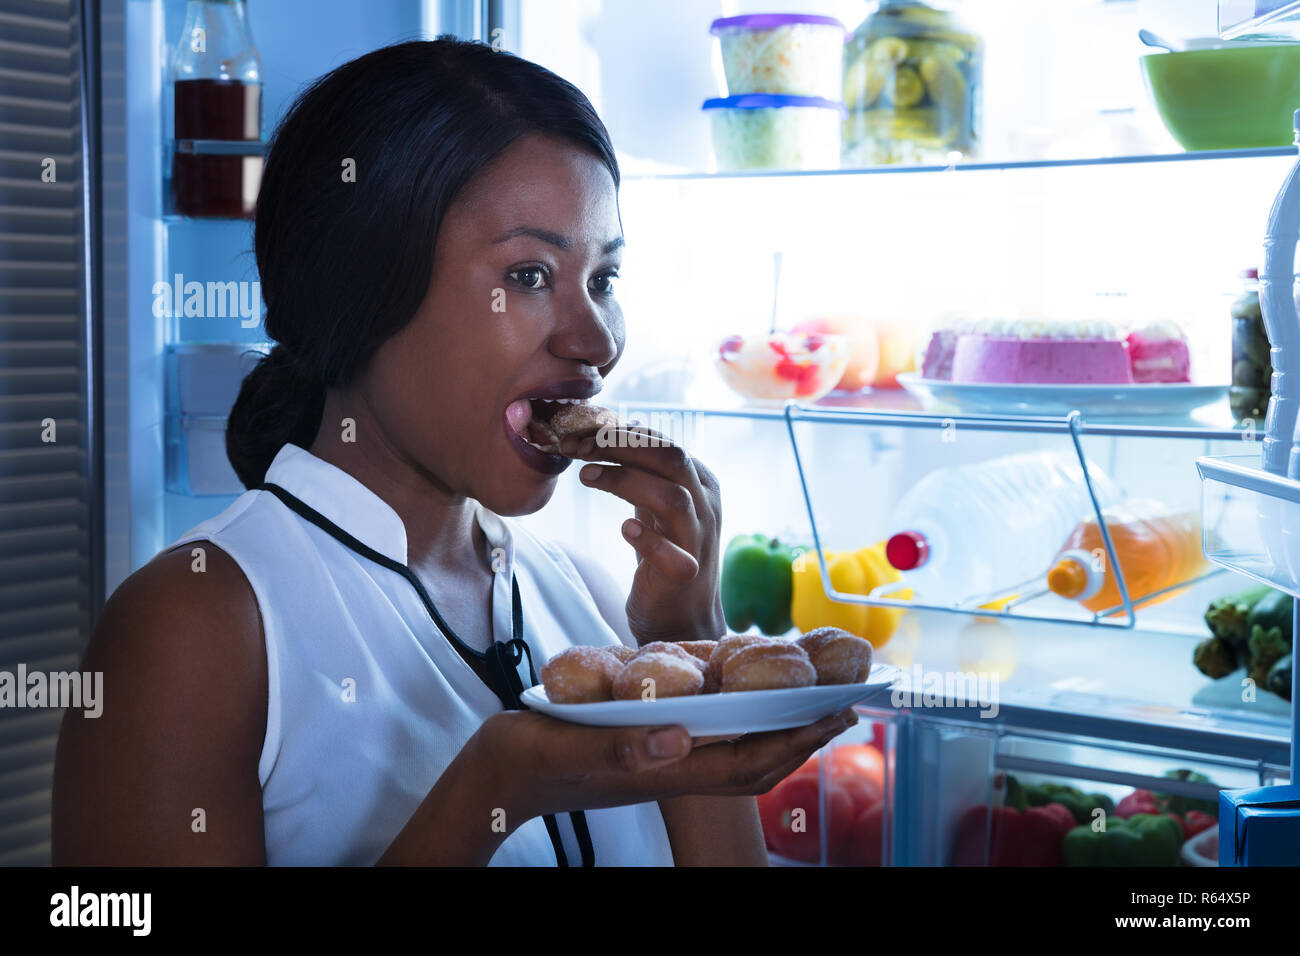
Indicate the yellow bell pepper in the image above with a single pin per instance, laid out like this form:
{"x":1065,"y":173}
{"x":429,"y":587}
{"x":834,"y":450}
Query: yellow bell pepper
{"x":851,"y":572}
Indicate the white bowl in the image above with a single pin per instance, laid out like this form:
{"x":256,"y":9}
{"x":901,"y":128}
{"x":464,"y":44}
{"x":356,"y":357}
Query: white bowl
{"x":1202,"y":849}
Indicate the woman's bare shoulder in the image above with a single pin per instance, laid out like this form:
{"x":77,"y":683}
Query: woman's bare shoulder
{"x":179,"y":651}
{"x":193,"y":597}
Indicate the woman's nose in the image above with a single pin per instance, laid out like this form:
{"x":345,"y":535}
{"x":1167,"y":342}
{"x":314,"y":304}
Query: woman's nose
{"x":590,"y":334}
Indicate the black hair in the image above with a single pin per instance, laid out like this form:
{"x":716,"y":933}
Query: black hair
{"x":344,"y":265}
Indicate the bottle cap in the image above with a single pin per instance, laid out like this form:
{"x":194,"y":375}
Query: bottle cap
{"x":907,"y":550}
{"x":1075,"y":576}
{"x":1069,"y":578}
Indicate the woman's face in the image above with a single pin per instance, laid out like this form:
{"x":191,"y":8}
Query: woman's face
{"x":520,"y":307}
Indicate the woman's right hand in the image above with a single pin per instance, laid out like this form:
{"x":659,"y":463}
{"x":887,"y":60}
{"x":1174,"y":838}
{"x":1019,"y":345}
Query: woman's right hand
{"x":540,"y":765}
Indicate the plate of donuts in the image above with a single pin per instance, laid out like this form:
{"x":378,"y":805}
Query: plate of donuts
{"x":740,"y":684}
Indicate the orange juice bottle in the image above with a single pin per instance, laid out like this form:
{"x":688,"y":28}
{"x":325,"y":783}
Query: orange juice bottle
{"x":1157,"y":549}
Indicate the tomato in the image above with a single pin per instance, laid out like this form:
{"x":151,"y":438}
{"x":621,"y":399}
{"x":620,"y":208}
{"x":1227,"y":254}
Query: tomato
{"x":856,"y":760}
{"x":869,"y":836}
{"x":861,"y":760}
{"x":864,"y":794}
{"x":777,"y":812}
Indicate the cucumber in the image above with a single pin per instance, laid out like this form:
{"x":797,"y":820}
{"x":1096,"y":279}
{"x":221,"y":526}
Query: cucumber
{"x":1279,"y":678}
{"x":1272,"y":610}
{"x":1226,"y":617}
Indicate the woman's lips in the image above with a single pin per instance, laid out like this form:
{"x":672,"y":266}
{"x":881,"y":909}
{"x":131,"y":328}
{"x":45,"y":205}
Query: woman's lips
{"x":531,"y":456}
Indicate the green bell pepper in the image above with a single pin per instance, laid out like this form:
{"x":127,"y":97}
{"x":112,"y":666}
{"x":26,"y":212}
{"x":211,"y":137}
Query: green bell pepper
{"x":1173,"y":803}
{"x":1142,"y":840}
{"x":1080,"y":804}
{"x":757,"y":583}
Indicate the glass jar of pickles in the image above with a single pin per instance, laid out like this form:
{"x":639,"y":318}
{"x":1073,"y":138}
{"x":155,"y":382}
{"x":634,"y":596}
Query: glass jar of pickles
{"x":913,"y":76}
{"x":1252,"y":367}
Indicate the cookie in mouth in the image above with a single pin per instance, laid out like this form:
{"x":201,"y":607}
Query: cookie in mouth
{"x":552,"y":422}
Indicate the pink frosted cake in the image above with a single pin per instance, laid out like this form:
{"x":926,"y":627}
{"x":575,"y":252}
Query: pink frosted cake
{"x":937,"y":362}
{"x":1158,"y":353}
{"x":1034,"y":352}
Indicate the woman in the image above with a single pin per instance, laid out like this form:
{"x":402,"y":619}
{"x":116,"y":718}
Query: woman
{"x":437,"y":237}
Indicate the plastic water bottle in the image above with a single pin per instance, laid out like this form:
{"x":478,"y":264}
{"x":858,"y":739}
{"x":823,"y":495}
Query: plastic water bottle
{"x":1277,"y":303}
{"x":977,"y":530}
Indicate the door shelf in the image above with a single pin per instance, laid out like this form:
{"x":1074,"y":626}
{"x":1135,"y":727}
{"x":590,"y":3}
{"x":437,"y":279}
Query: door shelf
{"x":1026,"y":605}
{"x":1239,"y":18}
{"x":1251,"y":520}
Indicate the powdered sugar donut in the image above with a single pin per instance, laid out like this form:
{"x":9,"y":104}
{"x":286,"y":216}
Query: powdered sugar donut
{"x":666,"y":647}
{"x":684,"y":652}
{"x":620,"y":651}
{"x":580,"y":675}
{"x":670,"y":676}
{"x":701,"y":649}
{"x":730,"y":645}
{"x":838,"y":656}
{"x":768,"y":667}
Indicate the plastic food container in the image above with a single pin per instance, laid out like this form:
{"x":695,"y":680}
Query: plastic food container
{"x":775,"y":131}
{"x":773,"y":368}
{"x":793,"y":53}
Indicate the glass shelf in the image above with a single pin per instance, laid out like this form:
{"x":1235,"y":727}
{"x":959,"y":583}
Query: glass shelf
{"x":1056,"y":677}
{"x":1199,"y":155}
{"x":1211,"y":424}
{"x":1238,"y":18}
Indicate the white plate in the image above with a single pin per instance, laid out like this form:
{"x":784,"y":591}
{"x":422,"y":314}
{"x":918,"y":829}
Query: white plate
{"x":705,"y":715}
{"x":1117,"y":401}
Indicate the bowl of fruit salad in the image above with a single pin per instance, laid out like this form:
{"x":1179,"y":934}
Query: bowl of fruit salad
{"x":782,"y":365}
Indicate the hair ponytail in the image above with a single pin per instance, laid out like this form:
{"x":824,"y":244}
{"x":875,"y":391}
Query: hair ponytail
{"x":278,"y":402}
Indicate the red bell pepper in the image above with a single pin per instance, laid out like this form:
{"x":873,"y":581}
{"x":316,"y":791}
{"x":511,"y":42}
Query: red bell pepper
{"x":1031,"y":837}
{"x":1139,"y":801}
{"x":797,"y":836}
{"x":1194,"y":821}
{"x":869,"y":836}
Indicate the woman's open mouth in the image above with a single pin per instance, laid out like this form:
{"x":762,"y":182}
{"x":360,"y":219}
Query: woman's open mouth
{"x":527,"y":426}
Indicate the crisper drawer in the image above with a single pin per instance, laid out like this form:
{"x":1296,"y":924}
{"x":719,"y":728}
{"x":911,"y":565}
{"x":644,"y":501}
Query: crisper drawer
{"x":837,"y":809}
{"x":1018,"y":798}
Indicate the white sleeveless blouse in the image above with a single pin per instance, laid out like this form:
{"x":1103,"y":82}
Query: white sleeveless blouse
{"x":368,"y":701}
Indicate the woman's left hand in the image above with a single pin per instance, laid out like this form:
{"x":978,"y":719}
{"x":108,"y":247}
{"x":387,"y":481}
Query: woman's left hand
{"x":678,"y":514}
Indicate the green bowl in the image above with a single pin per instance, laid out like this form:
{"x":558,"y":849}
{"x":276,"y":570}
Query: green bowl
{"x":1234,"y":97}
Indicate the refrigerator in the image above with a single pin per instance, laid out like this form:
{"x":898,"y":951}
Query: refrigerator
{"x":1078,"y":204}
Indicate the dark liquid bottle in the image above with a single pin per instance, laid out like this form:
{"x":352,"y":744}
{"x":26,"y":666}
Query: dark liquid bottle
{"x":218,"y":97}
{"x":218,"y":109}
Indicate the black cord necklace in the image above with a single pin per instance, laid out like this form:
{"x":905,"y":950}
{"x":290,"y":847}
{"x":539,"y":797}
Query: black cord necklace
{"x":501,"y":660}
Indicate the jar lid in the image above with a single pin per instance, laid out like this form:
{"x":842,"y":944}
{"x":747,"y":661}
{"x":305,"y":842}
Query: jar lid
{"x":770,"y":21}
{"x":771,"y":101}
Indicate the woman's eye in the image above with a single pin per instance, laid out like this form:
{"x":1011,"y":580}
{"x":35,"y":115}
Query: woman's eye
{"x":604,"y":283}
{"x":530,"y":277}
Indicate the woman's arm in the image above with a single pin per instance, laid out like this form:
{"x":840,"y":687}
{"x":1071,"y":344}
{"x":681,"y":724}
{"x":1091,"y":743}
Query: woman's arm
{"x":168,"y":774}
{"x":703,"y":831}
